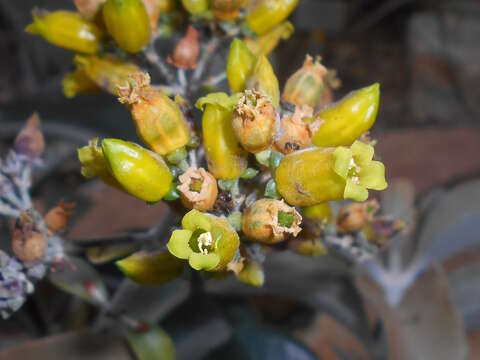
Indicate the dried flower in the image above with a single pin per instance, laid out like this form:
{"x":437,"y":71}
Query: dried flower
{"x":353,"y":217}
{"x":198,"y":189}
{"x":57,"y":218}
{"x":89,"y":8}
{"x":29,"y":141}
{"x":185,"y":55}
{"x":28,"y":244}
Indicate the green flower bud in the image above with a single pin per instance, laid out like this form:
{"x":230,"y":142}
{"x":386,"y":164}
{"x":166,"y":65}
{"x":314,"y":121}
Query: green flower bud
{"x":78,"y":82}
{"x":195,"y":7}
{"x":66,"y":29}
{"x":140,"y":172}
{"x":254,"y":121}
{"x":263,"y":79}
{"x":128,"y":23}
{"x":252,"y":274}
{"x":206,"y":241}
{"x":240,"y":64}
{"x":346,"y":120}
{"x":266,"y":14}
{"x":266,"y":43}
{"x":269,"y":221}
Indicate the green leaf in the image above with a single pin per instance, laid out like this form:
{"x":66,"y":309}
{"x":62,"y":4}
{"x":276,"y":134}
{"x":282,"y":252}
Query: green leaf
{"x":263,"y":157}
{"x":249,"y":173}
{"x":155,"y":344}
{"x":151,"y":268}
{"x":271,"y":190}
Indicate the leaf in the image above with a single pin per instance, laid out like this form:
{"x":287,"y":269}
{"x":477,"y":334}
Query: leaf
{"x":104,"y":254}
{"x":82,"y":281}
{"x":151,"y":268}
{"x":154,"y":344}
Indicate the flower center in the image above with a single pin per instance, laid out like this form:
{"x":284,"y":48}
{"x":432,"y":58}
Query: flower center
{"x":204,"y":242}
{"x":353,"y":170}
{"x":196,"y":185}
{"x":285,"y":219}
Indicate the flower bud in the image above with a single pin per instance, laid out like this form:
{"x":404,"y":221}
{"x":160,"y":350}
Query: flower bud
{"x":56,"y":219}
{"x":353,"y":217}
{"x":270,"y":221}
{"x":346,"y":120}
{"x":159,"y":122}
{"x":252,"y":274}
{"x":88,"y":8}
{"x":254,"y":121}
{"x":264,"y":80}
{"x":155,"y":8}
{"x":240,"y":64}
{"x":226,"y":9}
{"x":140,"y":172}
{"x":308,"y":247}
{"x":266,"y":14}
{"x":128,"y":23}
{"x":195,"y":7}
{"x":322,"y":212}
{"x":108,"y":72}
{"x":66,"y":29}
{"x":225,"y":157}
{"x":78,"y":82}
{"x":28,"y":244}
{"x":266,"y":43}
{"x":185,"y":55}
{"x":295,"y":134}
{"x":206,"y":241}
{"x":313,"y":176}
{"x":30,"y":141}
{"x":305,"y":86}
{"x":198,"y":189}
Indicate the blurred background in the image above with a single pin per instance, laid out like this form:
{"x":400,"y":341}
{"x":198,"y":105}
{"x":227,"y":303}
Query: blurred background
{"x":425,"y":54}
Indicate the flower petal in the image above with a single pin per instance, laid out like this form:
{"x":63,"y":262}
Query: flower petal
{"x":194,"y":220}
{"x":178,"y":244}
{"x":342,"y":157}
{"x":355,"y":191}
{"x":200,"y":261}
{"x":362,"y":153}
{"x":372,"y":176}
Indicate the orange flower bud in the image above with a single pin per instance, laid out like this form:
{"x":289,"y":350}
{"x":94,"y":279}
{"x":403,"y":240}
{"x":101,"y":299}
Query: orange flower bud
{"x":198,"y":189}
{"x":29,"y":140}
{"x":353,"y":217}
{"x":57,"y":218}
{"x":185,"y":55}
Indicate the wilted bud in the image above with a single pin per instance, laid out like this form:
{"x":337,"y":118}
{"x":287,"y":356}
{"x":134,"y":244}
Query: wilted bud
{"x":155,"y":8}
{"x":108,"y":72}
{"x":195,"y":7}
{"x":264,"y":80}
{"x":305,"y":86}
{"x":347,"y":119}
{"x":254,"y":121}
{"x":265,"y":14}
{"x":353,"y":217}
{"x":159,"y":122}
{"x":88,"y":8}
{"x":198,"y":189}
{"x":313,"y":176}
{"x":30,"y":141}
{"x":252,"y":274}
{"x":226,"y":9}
{"x":140,"y":172}
{"x":78,"y":82}
{"x":266,"y":43}
{"x":240,"y":64}
{"x":206,"y":241}
{"x":295,"y":134}
{"x":128,"y":23}
{"x":57,"y":218}
{"x":185,"y":55}
{"x":270,"y":221}
{"x":28,"y":244}
{"x":66,"y":29}
{"x":226,"y":158}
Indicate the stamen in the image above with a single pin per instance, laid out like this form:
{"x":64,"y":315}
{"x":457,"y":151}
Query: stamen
{"x":355,"y":180}
{"x":206,"y":240}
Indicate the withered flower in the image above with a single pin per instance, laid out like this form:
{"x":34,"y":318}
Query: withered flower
{"x":57,"y":218}
{"x":198,"y":189}
{"x":28,"y":244}
{"x":270,"y":221}
{"x":227,"y":9}
{"x":254,"y":121}
{"x":296,"y":134}
{"x":353,"y":217}
{"x":185,"y":55}
{"x":30,"y":141}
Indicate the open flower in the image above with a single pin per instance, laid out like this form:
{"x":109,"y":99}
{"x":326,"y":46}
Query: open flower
{"x":198,"y":189}
{"x":206,"y":241}
{"x":360,"y":172}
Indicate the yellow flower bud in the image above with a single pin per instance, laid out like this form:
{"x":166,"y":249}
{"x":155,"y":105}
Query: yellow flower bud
{"x":347,"y":119}
{"x":266,"y":43}
{"x":159,"y":122}
{"x":141,"y":172}
{"x":226,"y":9}
{"x":78,"y":82}
{"x":128,"y":23}
{"x":66,"y":29}
{"x":195,"y":7}
{"x":269,"y":221}
{"x":264,"y":80}
{"x":240,"y":64}
{"x":305,"y":86}
{"x":108,"y":72}
{"x":198,"y":189}
{"x":254,"y":121}
{"x":226,"y":158}
{"x":265,"y":14}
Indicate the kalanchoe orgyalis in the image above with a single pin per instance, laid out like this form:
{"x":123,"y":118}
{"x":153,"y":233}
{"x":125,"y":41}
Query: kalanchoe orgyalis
{"x":29,"y":244}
